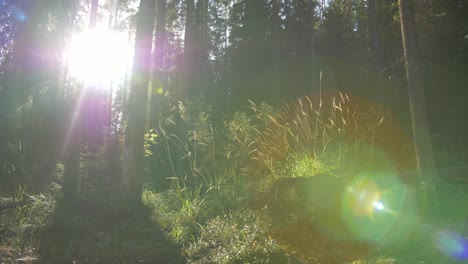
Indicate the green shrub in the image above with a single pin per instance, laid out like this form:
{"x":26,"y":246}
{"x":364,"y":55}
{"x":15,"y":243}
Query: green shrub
{"x":376,"y":260}
{"x":267,"y":158}
{"x":240,"y":237}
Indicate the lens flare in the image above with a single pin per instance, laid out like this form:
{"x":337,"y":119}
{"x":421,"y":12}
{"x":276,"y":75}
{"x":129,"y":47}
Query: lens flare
{"x":379,"y":208}
{"x":452,"y":244}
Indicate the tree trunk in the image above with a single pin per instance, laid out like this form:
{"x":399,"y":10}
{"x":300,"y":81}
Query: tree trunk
{"x":189,"y":47}
{"x":72,"y":159}
{"x":201,"y":53}
{"x":276,"y":53}
{"x":377,"y":78}
{"x":132,"y":179}
{"x":93,"y":13}
{"x":195,"y":48}
{"x":374,"y":35}
{"x":158,"y":74}
{"x":421,"y":132}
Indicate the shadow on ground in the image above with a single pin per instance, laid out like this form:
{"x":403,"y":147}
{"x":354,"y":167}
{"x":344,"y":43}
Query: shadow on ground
{"x":105,"y":228}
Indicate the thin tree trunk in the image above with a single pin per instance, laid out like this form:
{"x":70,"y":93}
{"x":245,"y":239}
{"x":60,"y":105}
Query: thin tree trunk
{"x":125,"y":85}
{"x":189,"y":47}
{"x":276,"y":53}
{"x":189,"y":23}
{"x":374,"y":35}
{"x":132,"y":179}
{"x":312,"y":52}
{"x":421,"y":129}
{"x":158,"y":73}
{"x":202,"y":43}
{"x":93,"y":13}
{"x":377,"y":80}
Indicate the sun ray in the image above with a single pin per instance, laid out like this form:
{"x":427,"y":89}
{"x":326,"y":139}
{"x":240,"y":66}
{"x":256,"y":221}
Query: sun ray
{"x":73,"y":122}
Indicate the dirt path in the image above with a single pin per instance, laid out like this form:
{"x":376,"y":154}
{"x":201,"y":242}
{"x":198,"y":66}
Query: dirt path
{"x":105,"y":229}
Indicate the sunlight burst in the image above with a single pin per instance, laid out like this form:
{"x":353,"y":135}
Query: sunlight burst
{"x":98,"y":56}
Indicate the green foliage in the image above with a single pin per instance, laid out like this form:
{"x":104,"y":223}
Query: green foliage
{"x":23,"y":226}
{"x":242,"y":132}
{"x":180,"y":214}
{"x":150,"y":140}
{"x":35,"y":217}
{"x":377,"y":260}
{"x":308,"y":166}
{"x":236,"y":238}
{"x":302,"y":140}
{"x":184,"y":211}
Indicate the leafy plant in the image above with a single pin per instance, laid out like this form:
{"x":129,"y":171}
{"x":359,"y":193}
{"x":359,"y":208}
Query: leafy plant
{"x":150,"y":140}
{"x":236,"y":238}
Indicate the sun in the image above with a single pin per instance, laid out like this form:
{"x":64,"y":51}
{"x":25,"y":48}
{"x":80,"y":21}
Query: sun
{"x":98,"y":57}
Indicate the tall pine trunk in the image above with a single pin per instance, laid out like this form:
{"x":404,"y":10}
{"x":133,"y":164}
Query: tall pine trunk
{"x":132,"y":179}
{"x":374,"y":34}
{"x":421,"y":130}
{"x":71,"y":164}
{"x":189,"y":49}
{"x":159,"y":78}
{"x":276,"y":53}
{"x":202,"y":42}
{"x":377,"y":79}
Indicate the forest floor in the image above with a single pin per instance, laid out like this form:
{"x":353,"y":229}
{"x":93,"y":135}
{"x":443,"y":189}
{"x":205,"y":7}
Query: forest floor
{"x":91,"y":230}
{"x":112,"y":228}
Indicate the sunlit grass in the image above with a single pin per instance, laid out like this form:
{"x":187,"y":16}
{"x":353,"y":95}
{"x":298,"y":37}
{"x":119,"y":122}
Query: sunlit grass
{"x":320,"y":177}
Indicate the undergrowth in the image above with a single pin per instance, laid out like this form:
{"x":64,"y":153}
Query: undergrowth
{"x":227,"y":201}
{"x":258,"y":186}
{"x":21,"y":226}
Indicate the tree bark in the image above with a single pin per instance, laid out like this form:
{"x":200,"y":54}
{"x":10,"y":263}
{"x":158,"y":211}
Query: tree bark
{"x":202,"y":45}
{"x":189,"y":47}
{"x":160,"y":42}
{"x":374,"y":35}
{"x":276,"y":53}
{"x":420,"y":124}
{"x":132,"y":179}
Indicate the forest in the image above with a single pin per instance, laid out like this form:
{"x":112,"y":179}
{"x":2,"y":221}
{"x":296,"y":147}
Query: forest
{"x":234,"y":131}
